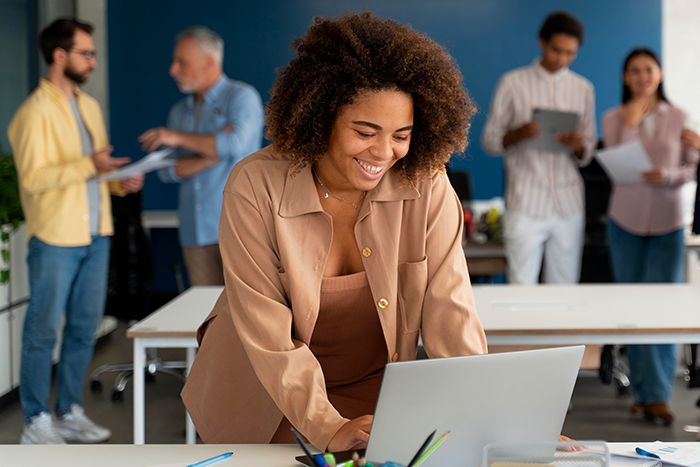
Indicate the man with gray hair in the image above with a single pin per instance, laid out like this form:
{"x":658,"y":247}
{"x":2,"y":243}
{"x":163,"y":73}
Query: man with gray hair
{"x":215,"y":126}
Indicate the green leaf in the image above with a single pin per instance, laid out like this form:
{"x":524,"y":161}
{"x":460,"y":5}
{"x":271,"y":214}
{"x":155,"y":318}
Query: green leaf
{"x":5,"y":255}
{"x":10,"y":207}
{"x":4,"y":276}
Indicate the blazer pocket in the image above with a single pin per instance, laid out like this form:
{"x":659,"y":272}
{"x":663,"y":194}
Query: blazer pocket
{"x":413,"y":282}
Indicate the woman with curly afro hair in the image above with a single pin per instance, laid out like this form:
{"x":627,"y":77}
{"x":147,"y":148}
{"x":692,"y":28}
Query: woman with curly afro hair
{"x":341,"y":241}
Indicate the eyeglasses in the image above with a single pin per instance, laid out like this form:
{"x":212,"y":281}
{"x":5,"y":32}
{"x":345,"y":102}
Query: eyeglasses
{"x":88,"y":54}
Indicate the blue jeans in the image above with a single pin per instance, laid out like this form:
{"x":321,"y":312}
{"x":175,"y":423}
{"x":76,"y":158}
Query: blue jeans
{"x":70,"y":279}
{"x":653,"y":258}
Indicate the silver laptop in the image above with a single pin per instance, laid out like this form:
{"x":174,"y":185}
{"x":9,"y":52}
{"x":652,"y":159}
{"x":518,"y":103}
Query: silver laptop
{"x":515,"y":397}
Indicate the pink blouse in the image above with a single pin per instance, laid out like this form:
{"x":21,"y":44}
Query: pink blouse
{"x":641,"y":208}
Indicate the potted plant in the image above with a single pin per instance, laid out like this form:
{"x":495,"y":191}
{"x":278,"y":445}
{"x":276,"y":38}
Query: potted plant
{"x":10,"y":210}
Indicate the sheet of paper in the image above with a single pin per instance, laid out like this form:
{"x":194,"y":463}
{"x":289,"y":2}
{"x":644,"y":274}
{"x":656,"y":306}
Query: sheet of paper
{"x":625,"y":163}
{"x":618,"y":460}
{"x":675,"y":454}
{"x":552,"y":123}
{"x":669,"y":453}
{"x":153,"y":161}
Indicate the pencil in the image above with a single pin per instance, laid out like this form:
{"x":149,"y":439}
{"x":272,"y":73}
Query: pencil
{"x":431,"y":449}
{"x":421,"y":449}
{"x":312,"y":461}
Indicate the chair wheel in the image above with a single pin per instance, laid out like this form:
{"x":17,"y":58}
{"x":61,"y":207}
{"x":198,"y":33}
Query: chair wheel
{"x":623,"y":391}
{"x":117,"y":396}
{"x":150,"y":377}
{"x":96,"y":386}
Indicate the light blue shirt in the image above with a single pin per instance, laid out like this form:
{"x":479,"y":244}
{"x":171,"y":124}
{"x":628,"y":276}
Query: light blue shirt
{"x":227,"y":102}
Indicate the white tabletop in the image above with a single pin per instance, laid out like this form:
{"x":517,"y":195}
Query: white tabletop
{"x":508,"y":310}
{"x":116,"y":455}
{"x":165,"y":219}
{"x":589,"y":309}
{"x":180,"y":317}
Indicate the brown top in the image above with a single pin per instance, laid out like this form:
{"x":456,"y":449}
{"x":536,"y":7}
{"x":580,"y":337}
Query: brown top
{"x":349,"y":344}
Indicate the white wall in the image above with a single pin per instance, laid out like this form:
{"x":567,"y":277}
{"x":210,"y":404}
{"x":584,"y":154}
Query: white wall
{"x":95,"y":13}
{"x":681,"y":55}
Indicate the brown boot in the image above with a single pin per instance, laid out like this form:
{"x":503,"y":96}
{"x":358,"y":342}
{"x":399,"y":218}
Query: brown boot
{"x":637,"y":408}
{"x":658,"y":412}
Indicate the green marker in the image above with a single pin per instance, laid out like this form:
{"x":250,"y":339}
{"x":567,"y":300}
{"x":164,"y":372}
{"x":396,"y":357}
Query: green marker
{"x":431,"y":449}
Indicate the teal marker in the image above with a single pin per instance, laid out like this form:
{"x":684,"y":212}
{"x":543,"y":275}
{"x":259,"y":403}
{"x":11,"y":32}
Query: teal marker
{"x":212,"y":460}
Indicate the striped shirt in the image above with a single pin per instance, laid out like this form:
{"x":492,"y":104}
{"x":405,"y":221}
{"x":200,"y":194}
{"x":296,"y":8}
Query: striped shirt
{"x":541,"y":184}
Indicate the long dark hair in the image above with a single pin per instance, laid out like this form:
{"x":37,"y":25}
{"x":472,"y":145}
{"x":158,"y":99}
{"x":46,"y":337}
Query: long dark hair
{"x":626,"y":92}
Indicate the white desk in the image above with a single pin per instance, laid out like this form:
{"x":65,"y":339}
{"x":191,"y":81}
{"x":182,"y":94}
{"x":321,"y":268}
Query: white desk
{"x":589,"y":314}
{"x":173,"y":325}
{"x":116,"y":455}
{"x":511,"y":315}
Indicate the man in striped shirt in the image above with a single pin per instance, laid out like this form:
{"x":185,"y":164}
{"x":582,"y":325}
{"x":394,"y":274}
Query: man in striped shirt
{"x":544,"y":190}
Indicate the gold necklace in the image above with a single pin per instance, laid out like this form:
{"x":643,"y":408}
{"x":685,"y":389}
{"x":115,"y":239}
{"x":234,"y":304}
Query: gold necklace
{"x":328,"y":192}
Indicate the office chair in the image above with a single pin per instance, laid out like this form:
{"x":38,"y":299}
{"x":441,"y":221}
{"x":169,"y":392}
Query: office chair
{"x":129,"y":290}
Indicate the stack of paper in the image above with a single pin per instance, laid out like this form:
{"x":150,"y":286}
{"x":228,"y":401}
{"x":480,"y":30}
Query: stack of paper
{"x":153,"y":161}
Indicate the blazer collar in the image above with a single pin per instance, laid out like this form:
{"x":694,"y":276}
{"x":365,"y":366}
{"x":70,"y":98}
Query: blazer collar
{"x":300,"y":196}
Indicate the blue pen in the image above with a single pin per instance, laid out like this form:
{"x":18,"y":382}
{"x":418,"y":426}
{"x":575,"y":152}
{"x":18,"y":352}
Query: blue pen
{"x":212,"y":460}
{"x":642,"y":452}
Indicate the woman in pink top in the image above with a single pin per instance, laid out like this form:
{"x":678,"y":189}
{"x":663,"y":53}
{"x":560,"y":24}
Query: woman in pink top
{"x":645,"y":230}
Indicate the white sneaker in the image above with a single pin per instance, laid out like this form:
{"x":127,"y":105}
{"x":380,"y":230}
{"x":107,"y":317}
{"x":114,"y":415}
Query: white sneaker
{"x":41,"y":430}
{"x":76,"y":426}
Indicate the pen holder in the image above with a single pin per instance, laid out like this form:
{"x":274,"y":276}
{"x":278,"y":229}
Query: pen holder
{"x":574,"y":454}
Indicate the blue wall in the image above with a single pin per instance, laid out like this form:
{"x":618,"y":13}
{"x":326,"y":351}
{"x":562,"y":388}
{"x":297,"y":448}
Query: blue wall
{"x":487,"y":38}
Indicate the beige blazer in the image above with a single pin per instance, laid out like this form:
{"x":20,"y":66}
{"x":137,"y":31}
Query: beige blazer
{"x":254,"y":363}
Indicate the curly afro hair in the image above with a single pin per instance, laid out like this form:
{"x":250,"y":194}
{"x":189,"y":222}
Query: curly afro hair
{"x":340,"y":57}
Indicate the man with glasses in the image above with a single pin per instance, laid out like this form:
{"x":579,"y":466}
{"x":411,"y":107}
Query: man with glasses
{"x":215,"y":126}
{"x":60,"y":146}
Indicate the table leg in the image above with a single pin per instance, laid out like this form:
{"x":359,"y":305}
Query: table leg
{"x":139,"y":390}
{"x":191,"y":432}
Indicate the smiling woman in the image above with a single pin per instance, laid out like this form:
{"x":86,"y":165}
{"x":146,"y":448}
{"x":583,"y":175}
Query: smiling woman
{"x":645,"y":227}
{"x":341,"y":242}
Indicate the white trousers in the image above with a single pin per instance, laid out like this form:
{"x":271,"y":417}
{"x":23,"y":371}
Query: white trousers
{"x":560,"y":239}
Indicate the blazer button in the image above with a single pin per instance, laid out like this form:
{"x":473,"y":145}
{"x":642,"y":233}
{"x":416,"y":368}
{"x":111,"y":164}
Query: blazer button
{"x":394,"y":357}
{"x":366,"y":252}
{"x":382,"y":303}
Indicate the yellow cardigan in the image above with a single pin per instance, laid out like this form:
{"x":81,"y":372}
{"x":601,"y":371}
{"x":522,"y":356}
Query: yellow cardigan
{"x":52,"y":169}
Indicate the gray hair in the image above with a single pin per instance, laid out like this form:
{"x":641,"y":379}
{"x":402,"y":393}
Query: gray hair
{"x":209,"y":41}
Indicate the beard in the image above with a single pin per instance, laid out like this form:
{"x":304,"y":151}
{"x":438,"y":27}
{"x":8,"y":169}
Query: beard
{"x":185,"y":87}
{"x":78,"y":78}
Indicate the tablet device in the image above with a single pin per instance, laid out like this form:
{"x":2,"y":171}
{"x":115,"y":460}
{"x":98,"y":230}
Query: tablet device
{"x":552,"y":123}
